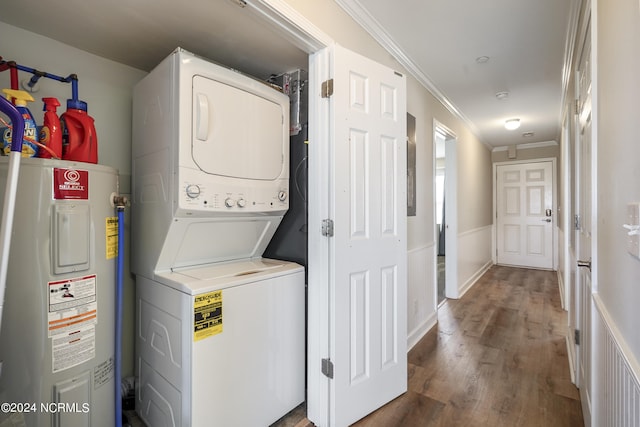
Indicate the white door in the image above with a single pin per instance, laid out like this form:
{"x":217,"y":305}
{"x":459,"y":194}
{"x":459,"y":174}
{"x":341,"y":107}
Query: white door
{"x":524,"y":206}
{"x":583,"y":226}
{"x":366,"y":256}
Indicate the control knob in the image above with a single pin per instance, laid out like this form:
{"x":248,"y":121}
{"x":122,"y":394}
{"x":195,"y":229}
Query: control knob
{"x":241,"y":203}
{"x":229,"y":202}
{"x":282,"y":196}
{"x":193,"y":191}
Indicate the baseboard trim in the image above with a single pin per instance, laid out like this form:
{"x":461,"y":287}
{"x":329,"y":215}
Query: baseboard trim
{"x":474,"y":278}
{"x":418,"y":333}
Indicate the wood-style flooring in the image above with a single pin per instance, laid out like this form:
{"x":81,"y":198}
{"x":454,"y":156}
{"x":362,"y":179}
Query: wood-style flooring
{"x":496,"y":358}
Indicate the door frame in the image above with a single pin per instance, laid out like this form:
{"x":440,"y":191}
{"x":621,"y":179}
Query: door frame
{"x":451,"y":213}
{"x":554,"y":198}
{"x":306,"y":36}
{"x":590,"y":339}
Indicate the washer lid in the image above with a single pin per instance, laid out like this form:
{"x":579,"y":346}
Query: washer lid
{"x":238,"y":133}
{"x":211,"y":277}
{"x":232,"y":269}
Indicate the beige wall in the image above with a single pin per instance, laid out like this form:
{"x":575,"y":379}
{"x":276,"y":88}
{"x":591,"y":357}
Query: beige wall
{"x":533,"y":153}
{"x":474,"y":174}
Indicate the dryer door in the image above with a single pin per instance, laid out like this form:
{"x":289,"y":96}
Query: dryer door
{"x":236,"y":133}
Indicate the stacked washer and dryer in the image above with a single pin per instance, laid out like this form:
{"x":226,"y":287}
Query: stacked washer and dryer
{"x":220,"y":331}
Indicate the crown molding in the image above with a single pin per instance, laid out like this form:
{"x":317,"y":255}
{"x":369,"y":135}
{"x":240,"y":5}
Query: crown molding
{"x":377,"y":31}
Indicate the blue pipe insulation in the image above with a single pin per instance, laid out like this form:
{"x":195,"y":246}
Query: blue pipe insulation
{"x":37,"y":74}
{"x":119,"y":292}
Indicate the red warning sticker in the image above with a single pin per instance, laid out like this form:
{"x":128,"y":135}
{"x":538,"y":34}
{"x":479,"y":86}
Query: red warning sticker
{"x":70,"y":184}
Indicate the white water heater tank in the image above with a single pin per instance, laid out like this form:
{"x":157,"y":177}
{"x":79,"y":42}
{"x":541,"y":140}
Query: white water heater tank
{"x":57,"y":337}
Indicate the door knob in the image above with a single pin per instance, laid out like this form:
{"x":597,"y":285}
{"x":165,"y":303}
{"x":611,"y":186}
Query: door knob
{"x":546,"y":219}
{"x":586,"y":264}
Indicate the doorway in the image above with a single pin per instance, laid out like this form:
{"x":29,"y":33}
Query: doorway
{"x":524,"y":206}
{"x":440,"y":169}
{"x":445,"y":212}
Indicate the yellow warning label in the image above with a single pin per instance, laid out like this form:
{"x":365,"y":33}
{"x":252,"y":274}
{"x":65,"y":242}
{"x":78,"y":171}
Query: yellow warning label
{"x":112,"y":236}
{"x":207,"y":315}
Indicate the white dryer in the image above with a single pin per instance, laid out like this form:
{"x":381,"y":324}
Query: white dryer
{"x":220,"y":330}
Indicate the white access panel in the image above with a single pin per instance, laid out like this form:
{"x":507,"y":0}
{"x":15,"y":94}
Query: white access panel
{"x":250,"y":373}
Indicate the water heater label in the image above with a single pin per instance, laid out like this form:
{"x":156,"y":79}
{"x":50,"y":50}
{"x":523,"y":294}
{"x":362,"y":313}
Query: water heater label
{"x":73,"y":314}
{"x":207,"y":315}
{"x":111,"y":237}
{"x":70,"y":184}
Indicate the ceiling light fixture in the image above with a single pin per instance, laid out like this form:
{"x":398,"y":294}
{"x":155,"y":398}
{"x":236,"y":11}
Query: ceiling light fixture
{"x":512,"y":124}
{"x":502,"y":95}
{"x":527,"y":134}
{"x":482,"y":59}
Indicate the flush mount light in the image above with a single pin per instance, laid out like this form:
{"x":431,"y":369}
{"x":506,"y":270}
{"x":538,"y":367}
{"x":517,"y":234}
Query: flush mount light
{"x":502,"y":95}
{"x":512,"y":124}
{"x":527,"y":134}
{"x":482,"y":59}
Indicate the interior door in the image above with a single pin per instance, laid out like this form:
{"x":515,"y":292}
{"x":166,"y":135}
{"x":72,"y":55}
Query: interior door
{"x":524,"y":202}
{"x":366,"y":255}
{"x":584,"y":226}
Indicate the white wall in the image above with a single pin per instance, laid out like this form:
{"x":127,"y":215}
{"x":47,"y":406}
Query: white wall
{"x":106,"y":86}
{"x":618,"y":161}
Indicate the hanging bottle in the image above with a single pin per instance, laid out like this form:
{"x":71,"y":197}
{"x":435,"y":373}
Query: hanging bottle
{"x":51,"y":132}
{"x":79,"y":139}
{"x":30,"y":136}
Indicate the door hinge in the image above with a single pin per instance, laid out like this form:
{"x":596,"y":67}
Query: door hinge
{"x":327,"y":88}
{"x":576,"y":336}
{"x":327,"y":368}
{"x":327,"y":227}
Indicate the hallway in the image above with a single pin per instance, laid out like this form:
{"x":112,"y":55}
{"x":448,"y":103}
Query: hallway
{"x":496,"y":358}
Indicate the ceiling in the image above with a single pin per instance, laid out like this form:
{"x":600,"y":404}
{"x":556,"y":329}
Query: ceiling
{"x":141,"y":33}
{"x":471,"y":50}
{"x":440,"y":41}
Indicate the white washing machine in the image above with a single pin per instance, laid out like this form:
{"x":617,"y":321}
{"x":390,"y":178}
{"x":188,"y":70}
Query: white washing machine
{"x":220,"y":331}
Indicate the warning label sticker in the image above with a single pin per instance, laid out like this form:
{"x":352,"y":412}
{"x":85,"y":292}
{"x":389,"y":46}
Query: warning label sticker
{"x":73,"y":314}
{"x":112,"y":237}
{"x":74,"y":348}
{"x":207,"y":315}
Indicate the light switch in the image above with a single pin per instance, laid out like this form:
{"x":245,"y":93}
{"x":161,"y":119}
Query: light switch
{"x":633,"y":229}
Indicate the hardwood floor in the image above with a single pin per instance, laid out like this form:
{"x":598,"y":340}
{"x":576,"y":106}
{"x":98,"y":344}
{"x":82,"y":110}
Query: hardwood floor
{"x":496,"y":358}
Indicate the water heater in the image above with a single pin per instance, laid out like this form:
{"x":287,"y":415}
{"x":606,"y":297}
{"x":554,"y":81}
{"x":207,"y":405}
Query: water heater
{"x":57,"y":337}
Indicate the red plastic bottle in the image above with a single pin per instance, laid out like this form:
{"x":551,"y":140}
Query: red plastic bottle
{"x":51,"y":132}
{"x":79,"y":139}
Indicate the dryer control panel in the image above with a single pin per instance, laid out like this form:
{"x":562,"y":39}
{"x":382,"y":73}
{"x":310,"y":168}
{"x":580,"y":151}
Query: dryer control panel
{"x":199,"y":196}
